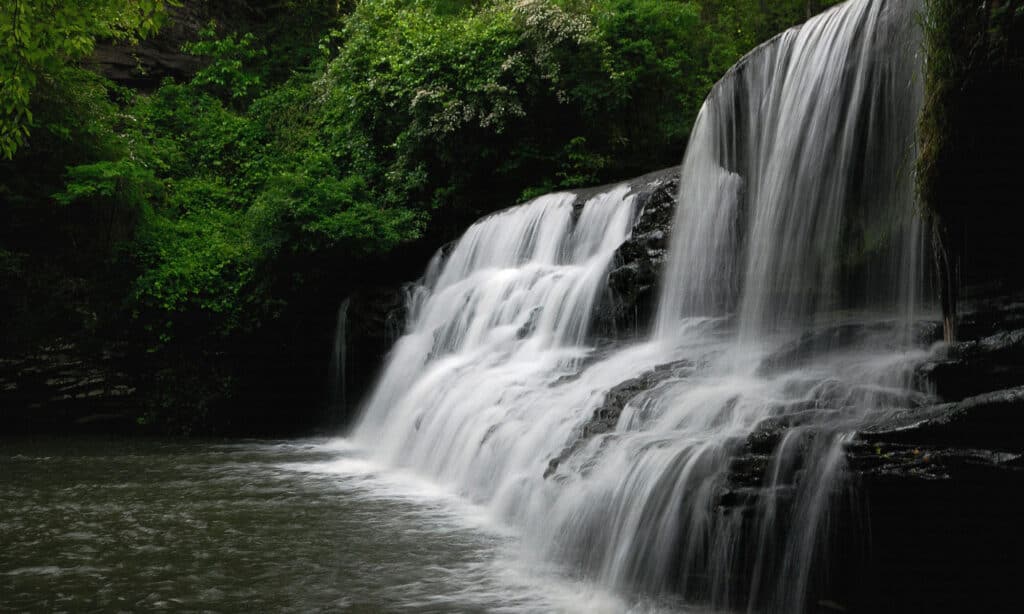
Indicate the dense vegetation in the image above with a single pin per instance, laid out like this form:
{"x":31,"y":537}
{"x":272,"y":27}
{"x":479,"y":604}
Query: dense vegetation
{"x":213,"y":223}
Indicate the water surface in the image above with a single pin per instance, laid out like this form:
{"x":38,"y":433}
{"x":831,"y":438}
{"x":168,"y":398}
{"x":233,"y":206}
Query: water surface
{"x":107,"y":524}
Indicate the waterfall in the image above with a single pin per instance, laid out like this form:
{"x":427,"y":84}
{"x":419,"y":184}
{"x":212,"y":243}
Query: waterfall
{"x":705,"y":463}
{"x":498,"y":322}
{"x":796,"y":182}
{"x":337,"y":389}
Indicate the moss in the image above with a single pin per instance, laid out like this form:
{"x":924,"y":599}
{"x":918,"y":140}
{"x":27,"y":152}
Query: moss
{"x":967,"y":136}
{"x":944,"y":24}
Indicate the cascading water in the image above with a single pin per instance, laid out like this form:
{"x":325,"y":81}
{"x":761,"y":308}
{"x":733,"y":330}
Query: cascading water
{"x":503,"y":318}
{"x":337,"y":372}
{"x":796,"y":186}
{"x":784,"y":322}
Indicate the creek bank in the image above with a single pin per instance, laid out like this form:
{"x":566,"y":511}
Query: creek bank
{"x":63,"y":387}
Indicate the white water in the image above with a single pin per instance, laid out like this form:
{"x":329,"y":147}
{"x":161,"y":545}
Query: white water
{"x":502,"y":320}
{"x":337,"y":372}
{"x":795,"y":219}
{"x":799,"y":161}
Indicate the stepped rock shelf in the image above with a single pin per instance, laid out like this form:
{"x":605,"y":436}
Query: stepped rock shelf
{"x":734,"y":397}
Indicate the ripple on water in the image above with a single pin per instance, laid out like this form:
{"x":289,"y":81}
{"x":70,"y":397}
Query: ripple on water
{"x":283,"y":526}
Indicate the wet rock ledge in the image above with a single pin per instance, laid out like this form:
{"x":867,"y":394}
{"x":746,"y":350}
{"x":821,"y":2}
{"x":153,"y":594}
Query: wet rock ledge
{"x":932,"y":521}
{"x":942,"y":485}
{"x":629,"y":302}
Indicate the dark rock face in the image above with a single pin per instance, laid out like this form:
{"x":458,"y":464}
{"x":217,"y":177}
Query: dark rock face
{"x":145,"y":65}
{"x":941,"y":483}
{"x":940,"y":540}
{"x":629,"y":305}
{"x":941,"y":493}
{"x":376,"y":319}
{"x":62,"y":387}
{"x":992,"y":421}
{"x":814,"y":343}
{"x":972,"y":367}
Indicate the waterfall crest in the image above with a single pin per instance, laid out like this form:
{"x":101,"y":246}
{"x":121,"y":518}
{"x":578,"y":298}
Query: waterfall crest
{"x":797,"y":193}
{"x":497,"y":321}
{"x":706,"y":462}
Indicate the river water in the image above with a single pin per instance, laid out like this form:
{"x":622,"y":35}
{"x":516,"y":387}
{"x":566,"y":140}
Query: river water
{"x":96,"y":524}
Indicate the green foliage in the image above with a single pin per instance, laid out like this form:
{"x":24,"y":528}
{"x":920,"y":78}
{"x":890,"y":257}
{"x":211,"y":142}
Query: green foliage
{"x":649,"y":80}
{"x":201,"y":262}
{"x":414,"y":93}
{"x":247,"y":188}
{"x":229,"y":73}
{"x":121,"y":180}
{"x":303,"y":211}
{"x":450,"y":108}
{"x":40,"y":37}
{"x":310,"y":149}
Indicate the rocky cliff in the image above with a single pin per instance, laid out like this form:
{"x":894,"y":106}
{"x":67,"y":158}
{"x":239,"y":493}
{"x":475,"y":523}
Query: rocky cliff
{"x":144,"y":65}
